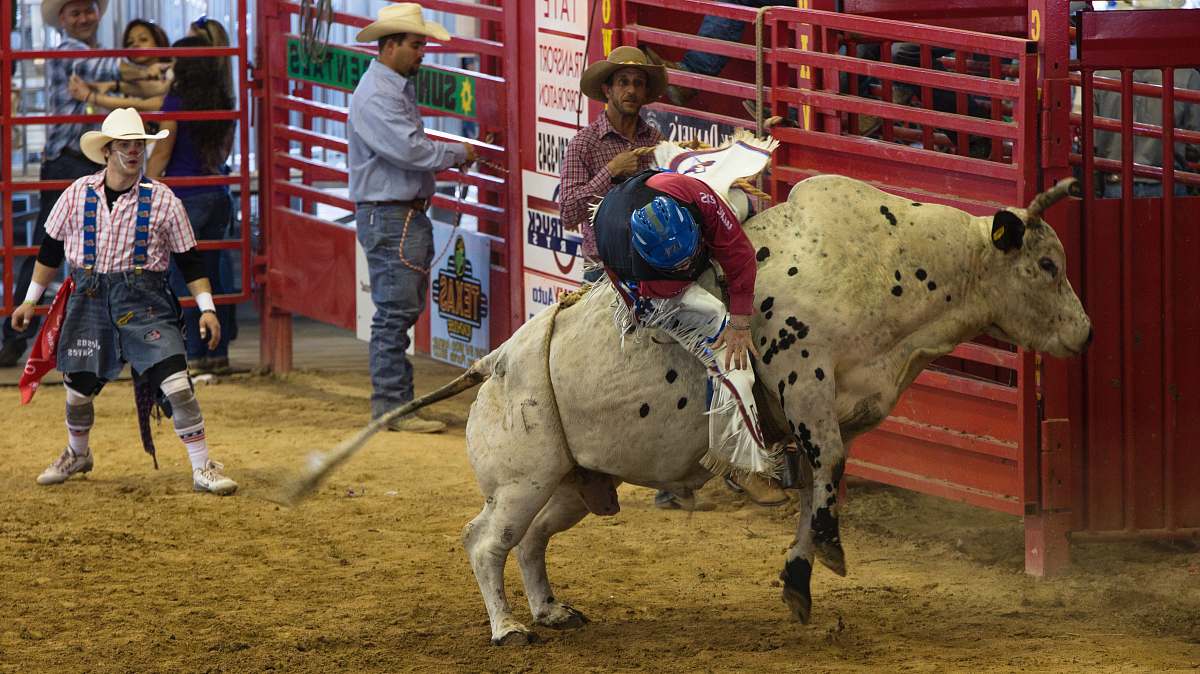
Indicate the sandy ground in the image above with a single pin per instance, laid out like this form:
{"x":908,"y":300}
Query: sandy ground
{"x":128,"y":570}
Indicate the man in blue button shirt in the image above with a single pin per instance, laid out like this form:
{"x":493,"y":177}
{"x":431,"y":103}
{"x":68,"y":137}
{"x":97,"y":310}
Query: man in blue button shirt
{"x":392,"y":165}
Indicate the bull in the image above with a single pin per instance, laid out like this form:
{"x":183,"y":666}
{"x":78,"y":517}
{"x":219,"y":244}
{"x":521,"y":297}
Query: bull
{"x":858,"y":290}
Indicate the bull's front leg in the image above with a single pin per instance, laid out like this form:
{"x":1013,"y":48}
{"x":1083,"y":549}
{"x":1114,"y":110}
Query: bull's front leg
{"x":809,"y":407}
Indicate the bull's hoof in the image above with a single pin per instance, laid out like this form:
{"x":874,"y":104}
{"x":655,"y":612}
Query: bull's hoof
{"x":800,"y":603}
{"x":832,"y":557}
{"x":516,"y":637}
{"x":562,"y":617}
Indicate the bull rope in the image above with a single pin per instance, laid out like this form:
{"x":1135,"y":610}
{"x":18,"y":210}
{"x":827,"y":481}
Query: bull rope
{"x":564,"y":302}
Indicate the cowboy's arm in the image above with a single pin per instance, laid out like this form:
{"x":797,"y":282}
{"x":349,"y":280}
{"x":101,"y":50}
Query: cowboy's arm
{"x":391,"y":127}
{"x":579,"y":188}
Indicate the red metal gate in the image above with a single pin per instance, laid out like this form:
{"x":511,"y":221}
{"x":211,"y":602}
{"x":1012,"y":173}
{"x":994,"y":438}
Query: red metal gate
{"x":1135,"y":461}
{"x":309,"y":266}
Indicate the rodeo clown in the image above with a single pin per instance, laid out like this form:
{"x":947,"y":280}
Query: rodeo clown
{"x":118,"y":229}
{"x":656,"y":234}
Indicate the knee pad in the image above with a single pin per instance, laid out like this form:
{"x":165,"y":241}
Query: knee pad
{"x":82,"y":384}
{"x":81,"y":413}
{"x":185,"y":408}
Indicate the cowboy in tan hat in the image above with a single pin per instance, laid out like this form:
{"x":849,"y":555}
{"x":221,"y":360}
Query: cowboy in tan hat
{"x":392,"y":163}
{"x":61,"y":158}
{"x":602,"y":152}
{"x":119,"y":230}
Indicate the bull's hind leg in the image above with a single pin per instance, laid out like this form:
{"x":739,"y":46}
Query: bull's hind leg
{"x":507,"y":513}
{"x":565,"y":509}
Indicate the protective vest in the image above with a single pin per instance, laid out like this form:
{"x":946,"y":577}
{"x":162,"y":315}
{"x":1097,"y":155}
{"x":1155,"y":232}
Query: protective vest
{"x":614,"y":239}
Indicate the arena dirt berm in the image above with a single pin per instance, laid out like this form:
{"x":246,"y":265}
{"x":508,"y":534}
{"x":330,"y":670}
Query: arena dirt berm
{"x":128,"y":570}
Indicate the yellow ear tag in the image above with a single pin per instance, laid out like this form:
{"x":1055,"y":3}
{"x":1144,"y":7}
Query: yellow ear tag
{"x":998,"y":234}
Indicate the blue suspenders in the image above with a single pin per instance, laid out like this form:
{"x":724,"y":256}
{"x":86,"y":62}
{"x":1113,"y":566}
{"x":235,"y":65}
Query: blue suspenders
{"x":141,"y":235}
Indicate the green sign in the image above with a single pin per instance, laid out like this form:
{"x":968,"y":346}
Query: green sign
{"x":343,"y":68}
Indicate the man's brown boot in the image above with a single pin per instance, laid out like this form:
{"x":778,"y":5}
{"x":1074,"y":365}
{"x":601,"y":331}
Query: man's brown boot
{"x":761,"y":491}
{"x":676,"y":94}
{"x":415,"y":424}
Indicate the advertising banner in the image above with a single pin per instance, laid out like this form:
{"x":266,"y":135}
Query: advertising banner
{"x":459,"y":291}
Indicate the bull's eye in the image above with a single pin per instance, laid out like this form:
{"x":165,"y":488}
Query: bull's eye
{"x":1048,"y":266}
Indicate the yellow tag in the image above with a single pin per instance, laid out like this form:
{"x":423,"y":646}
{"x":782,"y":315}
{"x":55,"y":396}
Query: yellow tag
{"x":998,"y":234}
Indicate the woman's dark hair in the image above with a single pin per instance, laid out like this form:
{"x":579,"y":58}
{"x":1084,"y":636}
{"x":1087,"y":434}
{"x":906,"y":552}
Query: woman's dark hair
{"x":200,"y":85}
{"x":156,"y":31}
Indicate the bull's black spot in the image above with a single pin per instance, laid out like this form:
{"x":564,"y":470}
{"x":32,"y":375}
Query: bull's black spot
{"x":681,"y":404}
{"x":767,"y":304}
{"x":671,"y":375}
{"x":921,"y":274}
{"x":931,"y":285}
{"x":797,"y":575}
{"x":644,"y":410}
{"x":762,"y":341}
{"x":804,"y":353}
{"x":783,"y":333}
{"x":763,"y":253}
{"x":820,"y":374}
{"x":781,"y":388}
{"x":897,"y":274}
{"x":811,"y":450}
{"x":768,"y":315}
{"x":883,"y":210}
{"x":828,"y":487}
{"x":792,"y":271}
{"x":825,"y":526}
{"x":791,"y":378}
{"x":917,"y":203}
{"x":897,"y":291}
{"x":947,"y":298}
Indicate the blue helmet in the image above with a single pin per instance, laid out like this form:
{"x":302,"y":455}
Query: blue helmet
{"x":665,"y":234}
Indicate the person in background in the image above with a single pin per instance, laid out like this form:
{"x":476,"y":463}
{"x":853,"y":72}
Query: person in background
{"x":141,"y":81}
{"x":200,"y":148}
{"x":601,"y":155}
{"x":216,"y":35}
{"x":392,"y":165}
{"x":77,"y":21}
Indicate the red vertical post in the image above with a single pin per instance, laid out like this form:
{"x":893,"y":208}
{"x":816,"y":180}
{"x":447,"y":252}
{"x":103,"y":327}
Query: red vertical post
{"x":1047,"y":549}
{"x":275,"y":340}
{"x":7,"y":226}
{"x":515,"y":236}
{"x":1128,"y":441}
{"x":1168,"y":297}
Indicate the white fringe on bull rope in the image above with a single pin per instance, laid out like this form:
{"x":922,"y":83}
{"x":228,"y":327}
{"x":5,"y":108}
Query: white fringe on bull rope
{"x":735,"y":440}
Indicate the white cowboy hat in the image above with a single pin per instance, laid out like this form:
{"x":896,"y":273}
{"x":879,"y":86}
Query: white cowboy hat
{"x":51,"y":9}
{"x":121,"y":124}
{"x":403,"y":17}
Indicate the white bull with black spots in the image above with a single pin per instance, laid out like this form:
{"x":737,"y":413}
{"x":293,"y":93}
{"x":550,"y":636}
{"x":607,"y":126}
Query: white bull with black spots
{"x":857,"y":291}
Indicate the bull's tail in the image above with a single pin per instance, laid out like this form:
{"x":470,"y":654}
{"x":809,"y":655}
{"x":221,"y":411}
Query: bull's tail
{"x":320,"y":465}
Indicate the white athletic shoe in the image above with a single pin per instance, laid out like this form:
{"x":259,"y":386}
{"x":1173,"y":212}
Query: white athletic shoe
{"x":67,"y":464}
{"x":210,"y":479}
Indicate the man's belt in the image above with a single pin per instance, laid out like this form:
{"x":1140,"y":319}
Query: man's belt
{"x":415,"y":204}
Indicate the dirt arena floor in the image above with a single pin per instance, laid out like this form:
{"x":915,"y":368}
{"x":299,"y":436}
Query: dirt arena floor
{"x":128,"y":570}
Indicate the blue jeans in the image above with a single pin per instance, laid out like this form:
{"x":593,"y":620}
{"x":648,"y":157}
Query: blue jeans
{"x":1142,"y":190}
{"x":64,"y":167}
{"x":210,"y":213}
{"x":398,"y":291}
{"x":721,"y":28}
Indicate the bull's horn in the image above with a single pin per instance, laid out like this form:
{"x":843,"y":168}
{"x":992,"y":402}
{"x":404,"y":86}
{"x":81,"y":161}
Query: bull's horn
{"x":1065,"y":187}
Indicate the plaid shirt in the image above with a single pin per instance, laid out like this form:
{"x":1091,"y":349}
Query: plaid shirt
{"x":585,"y":176}
{"x":170,"y":230}
{"x":58,"y":74}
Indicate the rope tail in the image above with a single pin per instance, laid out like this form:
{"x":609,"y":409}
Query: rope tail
{"x":320,"y":465}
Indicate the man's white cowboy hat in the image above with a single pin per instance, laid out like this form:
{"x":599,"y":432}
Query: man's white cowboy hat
{"x":592,"y":80}
{"x":403,"y":17}
{"x":121,"y":124}
{"x":51,"y":8}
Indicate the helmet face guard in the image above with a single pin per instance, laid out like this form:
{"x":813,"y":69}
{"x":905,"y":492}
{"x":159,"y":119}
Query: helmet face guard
{"x":665,"y":235}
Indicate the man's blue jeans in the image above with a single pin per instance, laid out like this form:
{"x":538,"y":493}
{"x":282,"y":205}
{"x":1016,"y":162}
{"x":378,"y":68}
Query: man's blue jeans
{"x":720,"y":28}
{"x":398,"y":260}
{"x":211,"y":214}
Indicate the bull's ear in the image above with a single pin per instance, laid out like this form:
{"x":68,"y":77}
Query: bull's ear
{"x":1007,"y":230}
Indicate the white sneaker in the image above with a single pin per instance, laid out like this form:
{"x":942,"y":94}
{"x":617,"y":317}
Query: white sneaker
{"x":67,"y":464}
{"x":210,"y":479}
